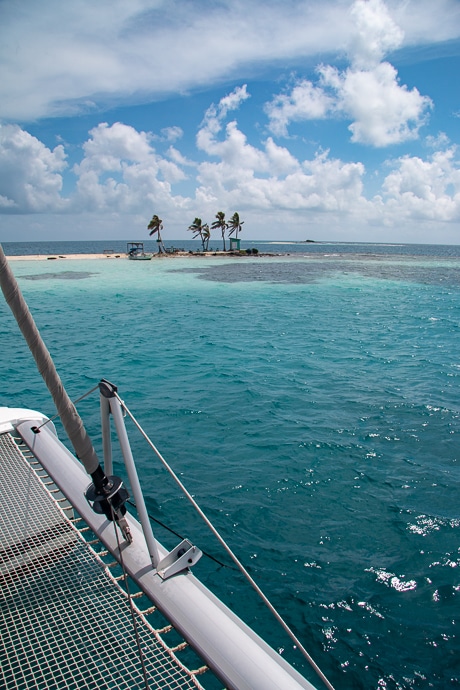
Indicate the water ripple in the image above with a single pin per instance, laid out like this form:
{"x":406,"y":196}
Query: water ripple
{"x":311,"y":406}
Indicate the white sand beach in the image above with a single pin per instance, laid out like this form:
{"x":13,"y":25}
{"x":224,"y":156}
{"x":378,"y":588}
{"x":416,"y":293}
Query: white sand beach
{"x":81,"y":257}
{"x":122,"y":255}
{"x":52,"y":257}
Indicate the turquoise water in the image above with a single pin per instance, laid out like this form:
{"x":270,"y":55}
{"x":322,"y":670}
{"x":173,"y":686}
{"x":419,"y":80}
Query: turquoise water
{"x":310,"y":403}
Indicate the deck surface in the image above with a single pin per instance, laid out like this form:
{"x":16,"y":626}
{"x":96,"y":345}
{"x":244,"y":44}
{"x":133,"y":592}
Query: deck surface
{"x":64,"y":620}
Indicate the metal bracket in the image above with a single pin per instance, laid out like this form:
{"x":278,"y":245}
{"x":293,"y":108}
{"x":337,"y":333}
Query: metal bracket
{"x":183,"y":556}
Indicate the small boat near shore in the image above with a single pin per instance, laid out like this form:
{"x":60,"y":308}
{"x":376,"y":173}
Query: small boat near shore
{"x":135,"y":252}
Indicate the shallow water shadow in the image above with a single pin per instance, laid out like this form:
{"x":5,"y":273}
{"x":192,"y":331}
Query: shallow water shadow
{"x":311,"y":271}
{"x":65,"y":275}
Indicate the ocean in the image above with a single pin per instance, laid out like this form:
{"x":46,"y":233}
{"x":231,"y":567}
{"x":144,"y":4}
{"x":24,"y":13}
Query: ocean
{"x":309,"y":400}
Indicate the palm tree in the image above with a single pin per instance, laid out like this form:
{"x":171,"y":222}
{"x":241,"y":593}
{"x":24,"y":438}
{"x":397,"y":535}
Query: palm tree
{"x":234,"y":225}
{"x":220,"y":224}
{"x":156,"y":226}
{"x":201,"y":230}
{"x":206,"y":236}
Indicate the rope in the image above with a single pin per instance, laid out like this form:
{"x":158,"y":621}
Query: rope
{"x":66,"y":409}
{"x":179,"y":536}
{"x":224,"y":544}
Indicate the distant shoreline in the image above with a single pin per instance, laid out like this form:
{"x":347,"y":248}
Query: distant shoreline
{"x":121,"y":255}
{"x":52,"y":257}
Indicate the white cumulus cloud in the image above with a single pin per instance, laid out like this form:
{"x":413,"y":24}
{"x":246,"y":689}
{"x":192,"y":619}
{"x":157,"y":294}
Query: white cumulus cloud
{"x":270,"y":177}
{"x":121,"y":171}
{"x":428,"y":189}
{"x":382,"y":111}
{"x":30,"y":173}
{"x":375,"y":33}
{"x":304,"y":102}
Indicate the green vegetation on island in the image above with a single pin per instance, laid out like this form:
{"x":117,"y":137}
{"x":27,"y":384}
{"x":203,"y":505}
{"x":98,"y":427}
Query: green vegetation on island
{"x":156,"y":226}
{"x":201,"y":230}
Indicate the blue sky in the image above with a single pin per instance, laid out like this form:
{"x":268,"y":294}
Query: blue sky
{"x":318,"y":119}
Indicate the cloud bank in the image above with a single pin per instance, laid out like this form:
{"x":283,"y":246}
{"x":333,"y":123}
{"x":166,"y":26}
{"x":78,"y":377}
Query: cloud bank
{"x":122,"y":173}
{"x":59,"y":58}
{"x":382,"y":111}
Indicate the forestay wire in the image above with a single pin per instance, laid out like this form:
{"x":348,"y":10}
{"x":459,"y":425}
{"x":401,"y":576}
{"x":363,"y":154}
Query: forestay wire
{"x":222,"y":541}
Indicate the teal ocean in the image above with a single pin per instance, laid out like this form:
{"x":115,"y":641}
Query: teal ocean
{"x":309,"y":400}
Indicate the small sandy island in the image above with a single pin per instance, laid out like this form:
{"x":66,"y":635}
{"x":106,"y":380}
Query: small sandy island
{"x":113,"y":256}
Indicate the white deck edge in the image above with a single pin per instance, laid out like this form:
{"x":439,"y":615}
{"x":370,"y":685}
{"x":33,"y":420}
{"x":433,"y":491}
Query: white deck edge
{"x":10,"y":417}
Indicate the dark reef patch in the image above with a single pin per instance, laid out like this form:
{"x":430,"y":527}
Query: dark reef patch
{"x":65,"y":275}
{"x":307,"y":272}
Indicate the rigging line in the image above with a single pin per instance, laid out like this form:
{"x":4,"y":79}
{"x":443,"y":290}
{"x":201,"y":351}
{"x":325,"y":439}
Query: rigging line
{"x":179,"y":536}
{"x":234,"y":558}
{"x":131,"y":607}
{"x":82,"y":397}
